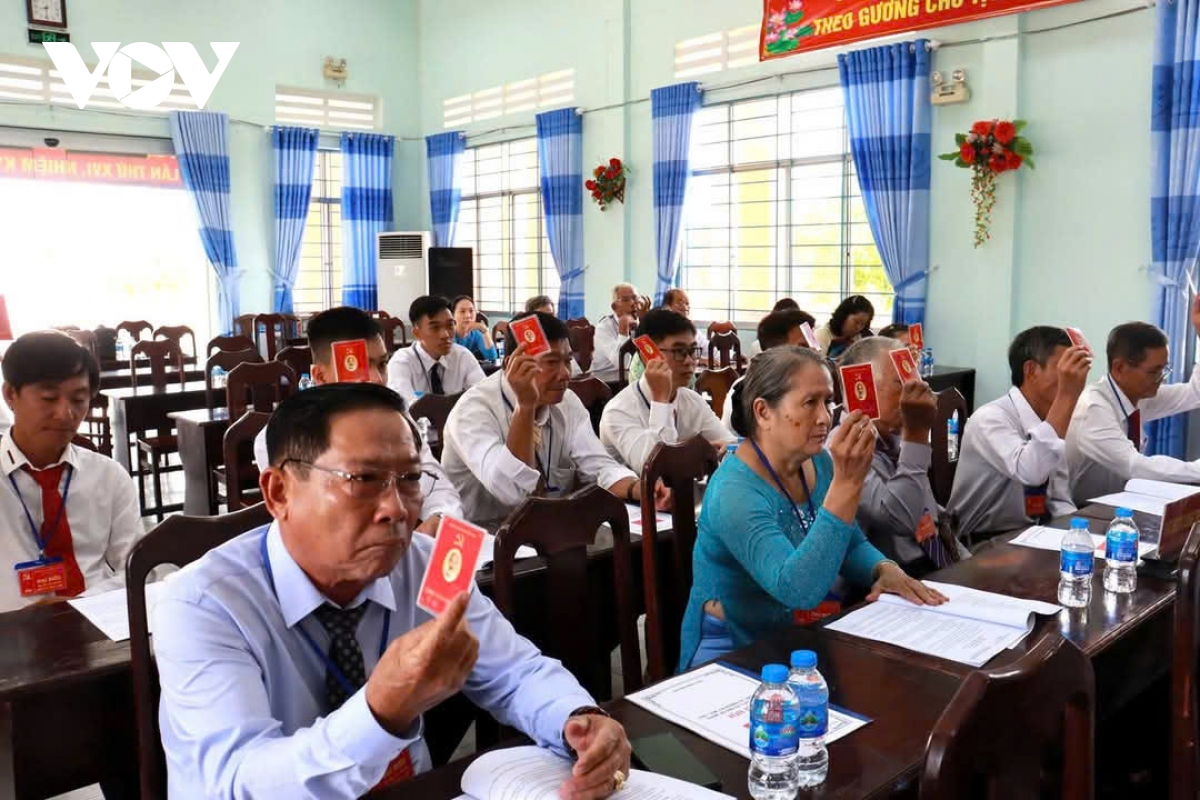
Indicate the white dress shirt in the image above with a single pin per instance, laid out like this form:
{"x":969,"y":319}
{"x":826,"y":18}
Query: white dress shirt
{"x":633,"y":424}
{"x":1100,"y":455}
{"x":440,"y":495}
{"x":408,"y":371}
{"x":244,"y":710}
{"x":5,"y":417}
{"x":606,"y":357}
{"x":102,"y":510}
{"x":491,"y":480}
{"x":1005,"y":449}
{"x":727,"y":409}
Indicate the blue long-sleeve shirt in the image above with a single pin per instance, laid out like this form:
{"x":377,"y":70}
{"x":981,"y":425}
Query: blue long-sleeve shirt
{"x":475,"y":342}
{"x":753,"y":555}
{"x":243,"y":711}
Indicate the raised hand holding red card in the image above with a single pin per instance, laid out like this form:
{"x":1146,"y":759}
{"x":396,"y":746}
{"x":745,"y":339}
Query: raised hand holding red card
{"x":452,"y":564}
{"x":350,"y":364}
{"x":906,"y":365}
{"x":858,"y":390}
{"x":647,"y":348}
{"x":916,"y":336}
{"x":810,"y":337}
{"x":1077,"y":339}
{"x":528,"y":333}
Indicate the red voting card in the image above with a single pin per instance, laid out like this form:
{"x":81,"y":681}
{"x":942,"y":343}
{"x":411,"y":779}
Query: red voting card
{"x":528,"y":332}
{"x":1076,"y":337}
{"x":809,"y":336}
{"x":916,"y":336}
{"x":350,"y":362}
{"x":906,"y":366}
{"x":452,"y":565}
{"x":647,"y":348}
{"x":858,"y":389}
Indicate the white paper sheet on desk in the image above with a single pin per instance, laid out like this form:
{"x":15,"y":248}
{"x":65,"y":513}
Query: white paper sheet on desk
{"x":487,"y":553}
{"x":1146,"y":503}
{"x":714,"y":702}
{"x":110,"y":611}
{"x":662,"y":519}
{"x":1043,"y":538}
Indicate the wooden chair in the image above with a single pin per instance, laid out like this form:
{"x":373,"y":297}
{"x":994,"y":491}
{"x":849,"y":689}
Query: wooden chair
{"x":942,"y":468}
{"x":264,"y":384}
{"x":579,"y":322}
{"x":176,"y":333}
{"x":482,"y":317}
{"x":275,"y":328}
{"x":625,"y":356}
{"x":1005,"y":725}
{"x":380,"y":315}
{"x":1185,"y":672}
{"x":161,"y":355}
{"x":226,"y":360}
{"x":244,"y":326}
{"x":716,"y":383}
{"x":388,"y":328}
{"x":436,"y":408}
{"x":179,"y":541}
{"x":134,"y":328}
{"x":154,"y":451}
{"x":594,"y":394}
{"x":499,"y":330}
{"x":298,"y":358}
{"x":229,"y":344}
{"x":728,"y":345}
{"x":680,"y":467}
{"x":79,"y":440}
{"x":583,"y":345}
{"x":721,"y":327}
{"x":240,"y":474}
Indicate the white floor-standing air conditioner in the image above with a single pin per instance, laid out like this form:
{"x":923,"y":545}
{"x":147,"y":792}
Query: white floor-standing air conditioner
{"x":400,"y":269}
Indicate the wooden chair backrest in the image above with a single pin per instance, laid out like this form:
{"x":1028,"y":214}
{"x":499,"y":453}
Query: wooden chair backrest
{"x":680,"y":467}
{"x":135,"y":328}
{"x":625,"y":356}
{"x":176,"y":333}
{"x":379,"y":315}
{"x":244,"y":326}
{"x":436,"y":408}
{"x":579,"y":322}
{"x":265,"y":384}
{"x":219,"y":344}
{"x":275,"y":329}
{"x":1185,"y":673}
{"x":178,"y":540}
{"x":716,"y":383}
{"x":388,"y":328}
{"x":941,"y":468}
{"x":1006,"y":726}
{"x":238,"y":450}
{"x":728,"y":345}
{"x":160,"y":354}
{"x":721,"y":327}
{"x":583,"y":345}
{"x":482,"y":317}
{"x":594,"y":394}
{"x":226,"y":360}
{"x":499,"y":330}
{"x":298,"y":358}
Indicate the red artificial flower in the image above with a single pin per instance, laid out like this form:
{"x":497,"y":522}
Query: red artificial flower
{"x":590,"y":185}
{"x":1005,"y":132}
{"x":981,"y":128}
{"x":967,"y":153}
{"x":615,"y":163}
{"x":608,"y":173}
{"x":998,"y":164}
{"x":1013,"y":160}
{"x":598,"y":171}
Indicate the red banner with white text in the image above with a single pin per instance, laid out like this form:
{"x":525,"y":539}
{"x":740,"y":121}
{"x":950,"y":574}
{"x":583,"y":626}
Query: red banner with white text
{"x":797,"y":26}
{"x":63,"y":165}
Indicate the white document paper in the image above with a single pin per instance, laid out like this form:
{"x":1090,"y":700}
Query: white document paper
{"x":971,"y":628}
{"x":663,"y":520}
{"x":109,"y":611}
{"x":1043,"y":538}
{"x":714,"y":702}
{"x":534,"y":773}
{"x":1147,"y":496}
{"x":487,"y":551}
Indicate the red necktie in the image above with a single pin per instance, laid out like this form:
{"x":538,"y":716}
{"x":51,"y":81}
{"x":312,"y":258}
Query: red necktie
{"x":57,"y":538}
{"x":1135,"y":428}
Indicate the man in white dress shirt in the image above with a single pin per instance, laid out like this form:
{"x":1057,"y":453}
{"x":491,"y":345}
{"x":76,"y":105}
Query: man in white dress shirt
{"x":346,"y":323}
{"x":49,"y":381}
{"x":1104,"y":444}
{"x":1012,"y":465}
{"x":613,"y":330}
{"x":522,"y":433}
{"x":677,"y":300}
{"x":434,"y":364}
{"x":659,"y":407}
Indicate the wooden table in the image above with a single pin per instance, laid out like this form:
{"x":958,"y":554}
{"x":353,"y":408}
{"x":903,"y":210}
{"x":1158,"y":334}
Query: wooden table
{"x":201,"y":433}
{"x":961,"y":378}
{"x":119,"y":378}
{"x":133,"y":411}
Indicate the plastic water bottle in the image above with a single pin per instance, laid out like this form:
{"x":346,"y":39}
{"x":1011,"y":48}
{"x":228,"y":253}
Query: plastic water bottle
{"x":1120,"y":554}
{"x":306,"y":382}
{"x":812,"y":721}
{"x":220,"y":378}
{"x":952,"y":437}
{"x":1075,"y":563}
{"x":499,"y":349}
{"x":773,"y":742}
{"x":124,"y":345}
{"x":927,"y":362}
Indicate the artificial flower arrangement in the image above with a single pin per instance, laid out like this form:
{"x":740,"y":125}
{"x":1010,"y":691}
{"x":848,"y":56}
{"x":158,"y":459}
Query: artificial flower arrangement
{"x":608,"y":183}
{"x":990,"y":148}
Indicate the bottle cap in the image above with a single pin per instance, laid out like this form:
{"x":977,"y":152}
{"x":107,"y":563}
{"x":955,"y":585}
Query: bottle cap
{"x":804,"y":659}
{"x":774,"y":673}
{"x":1079,"y":522}
{"x":1124,"y":512}
{"x":305,"y":375}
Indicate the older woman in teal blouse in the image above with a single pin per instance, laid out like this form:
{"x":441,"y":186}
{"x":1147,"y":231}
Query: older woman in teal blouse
{"x":777,"y":530}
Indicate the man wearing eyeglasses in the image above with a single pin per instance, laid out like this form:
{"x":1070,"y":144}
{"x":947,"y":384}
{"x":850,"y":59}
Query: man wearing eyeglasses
{"x":659,"y":407}
{"x":294,"y":661}
{"x":1104,"y":440}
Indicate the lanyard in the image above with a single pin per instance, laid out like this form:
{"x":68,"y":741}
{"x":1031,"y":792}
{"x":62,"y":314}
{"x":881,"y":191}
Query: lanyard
{"x":425,"y":372}
{"x":811,"y":510}
{"x":37,"y":537}
{"x":545,"y":472}
{"x":674,"y":413}
{"x":338,"y":675}
{"x":1117,"y":397}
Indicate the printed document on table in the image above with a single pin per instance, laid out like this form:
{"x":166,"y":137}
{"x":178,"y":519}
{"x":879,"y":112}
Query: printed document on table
{"x":487,"y":553}
{"x":1147,"y":496}
{"x":714,"y":702}
{"x":109,"y":611}
{"x":663,"y":520}
{"x":1043,"y":538}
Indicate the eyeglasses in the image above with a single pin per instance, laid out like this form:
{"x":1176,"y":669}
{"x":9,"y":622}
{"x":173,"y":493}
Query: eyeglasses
{"x":1159,"y":375}
{"x":682,"y":354}
{"x":371,"y":485}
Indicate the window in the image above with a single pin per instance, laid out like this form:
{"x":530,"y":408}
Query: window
{"x":34,"y":81}
{"x":335,"y":110}
{"x":774,"y":210}
{"x":319,"y":284}
{"x":552,"y":90}
{"x":717,"y":51}
{"x":501,"y":218}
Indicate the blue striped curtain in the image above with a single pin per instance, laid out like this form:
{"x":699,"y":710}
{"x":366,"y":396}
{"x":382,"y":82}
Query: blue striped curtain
{"x":443,"y":153}
{"x":889,"y":116}
{"x":201,"y":140}
{"x":1175,"y":192}
{"x":366,"y":212}
{"x":295,"y":152}
{"x":673,"y":108}
{"x":560,"y":162}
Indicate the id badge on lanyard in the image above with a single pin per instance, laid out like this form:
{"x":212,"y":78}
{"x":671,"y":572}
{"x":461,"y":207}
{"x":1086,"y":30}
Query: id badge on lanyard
{"x":42,"y":575}
{"x":1035,"y":501}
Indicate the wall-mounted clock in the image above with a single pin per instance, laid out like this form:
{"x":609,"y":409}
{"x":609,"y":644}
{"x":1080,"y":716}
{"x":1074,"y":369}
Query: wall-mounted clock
{"x":47,"y":13}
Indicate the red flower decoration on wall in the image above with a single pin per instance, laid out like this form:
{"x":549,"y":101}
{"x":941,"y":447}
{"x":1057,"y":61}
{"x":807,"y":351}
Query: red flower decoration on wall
{"x":990,"y":148}
{"x":609,"y":183}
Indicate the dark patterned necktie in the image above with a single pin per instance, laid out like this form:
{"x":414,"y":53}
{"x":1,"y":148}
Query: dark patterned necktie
{"x":344,"y":651}
{"x":435,"y":379}
{"x":1133,"y":427}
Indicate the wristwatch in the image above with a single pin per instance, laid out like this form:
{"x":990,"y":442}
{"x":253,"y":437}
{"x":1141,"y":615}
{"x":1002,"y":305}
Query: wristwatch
{"x":579,"y":712}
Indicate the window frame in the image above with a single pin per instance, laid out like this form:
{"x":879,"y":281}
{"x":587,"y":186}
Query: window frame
{"x":330,"y":290}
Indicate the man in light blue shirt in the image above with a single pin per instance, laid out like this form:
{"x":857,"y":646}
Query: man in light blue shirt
{"x":293,"y":659}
